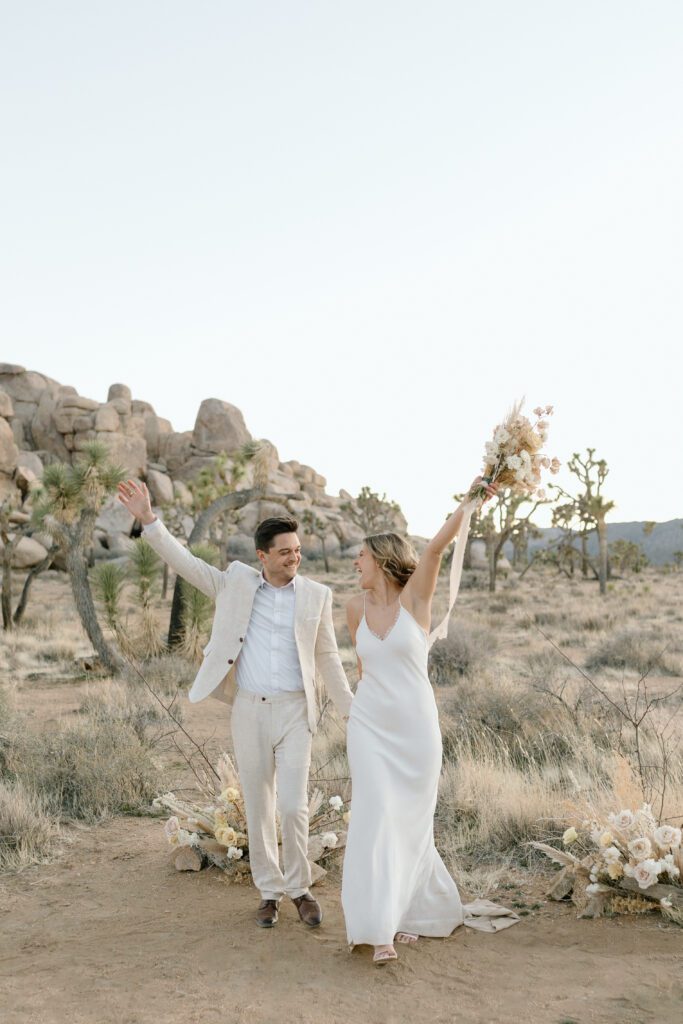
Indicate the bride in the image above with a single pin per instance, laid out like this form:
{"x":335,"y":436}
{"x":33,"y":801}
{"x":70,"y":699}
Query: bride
{"x":395,"y":885}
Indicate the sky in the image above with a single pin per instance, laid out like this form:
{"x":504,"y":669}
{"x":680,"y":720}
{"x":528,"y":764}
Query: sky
{"x":369,"y":225}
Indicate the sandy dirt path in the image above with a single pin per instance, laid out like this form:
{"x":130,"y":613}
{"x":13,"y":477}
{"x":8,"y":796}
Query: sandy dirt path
{"x":112,"y":934}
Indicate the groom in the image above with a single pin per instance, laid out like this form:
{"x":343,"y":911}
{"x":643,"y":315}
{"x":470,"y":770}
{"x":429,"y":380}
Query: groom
{"x":272,"y":634}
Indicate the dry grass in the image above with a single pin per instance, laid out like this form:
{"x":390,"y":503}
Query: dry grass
{"x":28,"y":832}
{"x":528,"y":743}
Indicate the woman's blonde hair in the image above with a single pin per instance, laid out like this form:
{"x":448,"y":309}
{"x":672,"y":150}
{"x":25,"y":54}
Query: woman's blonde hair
{"x":395,"y":556}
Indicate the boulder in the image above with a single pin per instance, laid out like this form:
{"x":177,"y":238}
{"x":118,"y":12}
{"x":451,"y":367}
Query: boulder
{"x":74,"y":401}
{"x":121,"y":391}
{"x":240,"y":546}
{"x":82,"y":439}
{"x":64,"y":419}
{"x":155,"y":427}
{"x":32,"y":461}
{"x":23,"y":385}
{"x":182,"y":494}
{"x":121,"y":405}
{"x":114,"y":519}
{"x":83,"y":423}
{"x":174,"y":450}
{"x":19,"y":432}
{"x":219,"y":427}
{"x":9,"y":452}
{"x":160,"y":487}
{"x":25,"y":479}
{"x":28,"y":552}
{"x":107,"y":419}
{"x":44,"y":432}
{"x":128,"y":452}
{"x":6,"y":407}
{"x":139,"y":408}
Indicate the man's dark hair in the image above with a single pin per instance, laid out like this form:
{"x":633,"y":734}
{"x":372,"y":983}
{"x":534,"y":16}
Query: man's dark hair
{"x":268,"y":530}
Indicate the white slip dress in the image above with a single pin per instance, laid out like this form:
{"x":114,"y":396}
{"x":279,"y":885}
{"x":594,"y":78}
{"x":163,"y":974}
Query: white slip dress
{"x":394,"y":879}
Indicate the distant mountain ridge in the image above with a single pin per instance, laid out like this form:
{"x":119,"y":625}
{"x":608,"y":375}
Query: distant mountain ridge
{"x":659,"y":546}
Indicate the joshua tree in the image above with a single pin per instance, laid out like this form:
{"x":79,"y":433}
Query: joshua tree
{"x":67,"y":507}
{"x":145,"y":566}
{"x":15,"y":524}
{"x":627,"y":555}
{"x":374,"y":514}
{"x":500,"y":524}
{"x":590,"y":508}
{"x":314,"y":526}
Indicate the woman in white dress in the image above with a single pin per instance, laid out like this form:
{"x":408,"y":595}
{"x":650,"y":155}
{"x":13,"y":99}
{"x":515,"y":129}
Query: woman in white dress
{"x":395,"y":885}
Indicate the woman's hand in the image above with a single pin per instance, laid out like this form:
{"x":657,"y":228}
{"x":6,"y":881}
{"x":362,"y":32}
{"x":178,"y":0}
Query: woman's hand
{"x":491,"y":489}
{"x":136,"y":499}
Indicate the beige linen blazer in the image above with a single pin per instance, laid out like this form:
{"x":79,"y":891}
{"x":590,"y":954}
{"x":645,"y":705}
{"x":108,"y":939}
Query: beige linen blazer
{"x":233,"y":591}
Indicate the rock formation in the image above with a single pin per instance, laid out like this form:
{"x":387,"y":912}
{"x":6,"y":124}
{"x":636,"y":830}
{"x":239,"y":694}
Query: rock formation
{"x":42,"y":421}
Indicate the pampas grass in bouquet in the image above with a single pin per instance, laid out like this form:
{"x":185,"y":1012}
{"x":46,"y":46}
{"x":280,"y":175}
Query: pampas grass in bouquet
{"x":513,"y":457}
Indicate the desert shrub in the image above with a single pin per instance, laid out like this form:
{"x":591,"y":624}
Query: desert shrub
{"x":89,"y":770}
{"x":166,"y":674}
{"x":123,"y":704}
{"x":27,"y":831}
{"x":634,"y":649}
{"x":460,"y":652}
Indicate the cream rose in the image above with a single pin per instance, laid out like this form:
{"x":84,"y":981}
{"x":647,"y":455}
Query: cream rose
{"x":666,"y":836}
{"x":641,"y":848}
{"x":646,"y":873}
{"x":570,"y":836}
{"x":622,"y":820}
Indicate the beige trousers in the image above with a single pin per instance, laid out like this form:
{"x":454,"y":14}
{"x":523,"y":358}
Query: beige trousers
{"x":272,"y":744}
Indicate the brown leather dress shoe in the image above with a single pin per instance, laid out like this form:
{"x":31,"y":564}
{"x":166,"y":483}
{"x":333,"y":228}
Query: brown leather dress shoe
{"x":266,"y":916}
{"x":309,"y":909}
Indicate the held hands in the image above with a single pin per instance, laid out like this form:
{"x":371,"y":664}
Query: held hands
{"x":136,"y":499}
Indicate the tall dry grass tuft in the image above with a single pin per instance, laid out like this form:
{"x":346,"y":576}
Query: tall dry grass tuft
{"x":28,"y":832}
{"x":640,"y":650}
{"x":90,"y":770}
{"x":463,"y":650}
{"x":126,"y":705}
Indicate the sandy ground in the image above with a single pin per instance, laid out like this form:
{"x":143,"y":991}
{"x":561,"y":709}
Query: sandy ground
{"x":110,"y":932}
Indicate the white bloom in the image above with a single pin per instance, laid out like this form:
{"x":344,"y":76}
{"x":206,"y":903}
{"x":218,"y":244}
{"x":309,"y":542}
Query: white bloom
{"x":622,"y":820}
{"x":570,"y":836}
{"x":605,"y":839}
{"x":491,"y":450}
{"x":329,"y":840}
{"x":666,"y":835}
{"x":336,"y":802}
{"x":666,"y":864}
{"x":501,"y":436}
{"x":646,"y":873}
{"x":538,"y":411}
{"x":611,"y":855}
{"x":595,"y":887}
{"x":514,"y":462}
{"x":665,"y":902}
{"x":641,"y":848}
{"x":234,"y":853}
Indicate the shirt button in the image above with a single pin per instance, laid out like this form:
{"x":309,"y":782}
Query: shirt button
{"x":241,"y":639}
{"x":230,"y":661}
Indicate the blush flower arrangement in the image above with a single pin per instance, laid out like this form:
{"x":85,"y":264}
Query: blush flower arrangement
{"x":213,"y":829}
{"x":626,"y":864}
{"x":513,"y":457}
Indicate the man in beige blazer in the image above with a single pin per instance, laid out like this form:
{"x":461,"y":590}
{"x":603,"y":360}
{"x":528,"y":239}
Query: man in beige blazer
{"x":272,"y":635}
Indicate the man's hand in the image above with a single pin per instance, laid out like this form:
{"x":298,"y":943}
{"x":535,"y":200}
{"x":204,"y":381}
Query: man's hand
{"x":136,"y":499}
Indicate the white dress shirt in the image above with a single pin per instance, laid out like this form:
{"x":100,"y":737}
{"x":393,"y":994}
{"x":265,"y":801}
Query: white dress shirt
{"x":269,"y":658}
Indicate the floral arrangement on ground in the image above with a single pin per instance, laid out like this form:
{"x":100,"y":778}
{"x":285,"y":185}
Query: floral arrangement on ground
{"x":627,"y":864}
{"x":213,"y":830}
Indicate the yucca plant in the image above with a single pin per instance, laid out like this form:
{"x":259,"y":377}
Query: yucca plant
{"x":145,"y":568}
{"x":197,"y":607}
